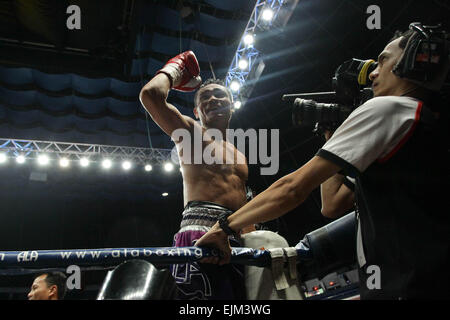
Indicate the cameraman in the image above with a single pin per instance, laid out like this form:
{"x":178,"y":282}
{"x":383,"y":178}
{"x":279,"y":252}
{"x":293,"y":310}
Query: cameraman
{"x":396,"y":147}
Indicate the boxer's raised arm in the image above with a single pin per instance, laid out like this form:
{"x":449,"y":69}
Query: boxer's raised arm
{"x":153,"y":97}
{"x":180,"y":73}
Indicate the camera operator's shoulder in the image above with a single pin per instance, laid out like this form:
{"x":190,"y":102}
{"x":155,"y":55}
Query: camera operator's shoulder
{"x":386,"y":105}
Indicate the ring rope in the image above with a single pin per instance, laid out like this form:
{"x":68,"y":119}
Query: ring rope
{"x":13,"y":261}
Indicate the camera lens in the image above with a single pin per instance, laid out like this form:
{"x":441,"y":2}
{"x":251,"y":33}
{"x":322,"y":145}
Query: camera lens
{"x":308,"y":112}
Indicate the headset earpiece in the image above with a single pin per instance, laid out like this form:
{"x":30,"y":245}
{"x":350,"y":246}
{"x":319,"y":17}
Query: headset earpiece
{"x":425,"y":59}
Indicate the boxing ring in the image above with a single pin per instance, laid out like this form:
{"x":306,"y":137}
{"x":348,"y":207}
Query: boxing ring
{"x":15,"y":262}
{"x":320,"y":251}
{"x":148,"y":259}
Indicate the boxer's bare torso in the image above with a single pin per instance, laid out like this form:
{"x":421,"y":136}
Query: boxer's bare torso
{"x":223,"y":184}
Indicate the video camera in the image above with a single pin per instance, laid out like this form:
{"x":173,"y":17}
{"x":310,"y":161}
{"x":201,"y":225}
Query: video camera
{"x":350,"y":84}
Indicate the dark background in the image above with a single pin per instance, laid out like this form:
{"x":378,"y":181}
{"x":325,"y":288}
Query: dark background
{"x":90,"y":95}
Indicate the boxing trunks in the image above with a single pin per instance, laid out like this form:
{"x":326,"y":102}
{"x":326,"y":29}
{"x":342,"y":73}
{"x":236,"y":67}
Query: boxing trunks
{"x":198,"y":281}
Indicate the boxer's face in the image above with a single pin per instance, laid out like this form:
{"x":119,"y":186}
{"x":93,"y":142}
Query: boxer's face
{"x":384,"y":81}
{"x":213,"y":106}
{"x":40,"y":289}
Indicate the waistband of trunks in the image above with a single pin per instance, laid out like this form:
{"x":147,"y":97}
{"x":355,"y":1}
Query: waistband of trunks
{"x":202,"y":214}
{"x":206,"y":204}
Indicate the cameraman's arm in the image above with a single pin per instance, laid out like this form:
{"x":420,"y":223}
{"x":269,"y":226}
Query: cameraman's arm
{"x":337,"y":198}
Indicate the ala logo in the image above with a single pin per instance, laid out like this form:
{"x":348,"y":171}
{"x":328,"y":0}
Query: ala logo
{"x":27,"y":256}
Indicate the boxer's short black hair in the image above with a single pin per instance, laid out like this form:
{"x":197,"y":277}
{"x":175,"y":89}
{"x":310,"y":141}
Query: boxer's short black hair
{"x":212,"y":81}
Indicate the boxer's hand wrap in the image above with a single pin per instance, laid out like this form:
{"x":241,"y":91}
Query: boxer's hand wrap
{"x":223,"y":223}
{"x":183,"y":72}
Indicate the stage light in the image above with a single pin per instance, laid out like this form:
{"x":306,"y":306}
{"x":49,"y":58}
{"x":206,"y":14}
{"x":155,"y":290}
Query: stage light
{"x":237,"y":104}
{"x":106,"y":163}
{"x":20,"y":159}
{"x":243,"y":64}
{"x":148,"y":167}
{"x":165,"y":194}
{"x":64,"y":162}
{"x":168,"y":166}
{"x":248,"y":39}
{"x":43,"y":159}
{"x":126,"y":165}
{"x":3,"y":158}
{"x":234,"y":85}
{"x":267,"y":14}
{"x":84,"y":162}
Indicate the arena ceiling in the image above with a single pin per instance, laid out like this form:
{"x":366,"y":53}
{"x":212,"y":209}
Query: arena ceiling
{"x":82,"y":86}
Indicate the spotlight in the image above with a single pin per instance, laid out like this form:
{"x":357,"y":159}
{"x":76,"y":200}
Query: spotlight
{"x":84,"y":162}
{"x":237,"y":104}
{"x":148,"y":167}
{"x":43,"y":159}
{"x":234,"y":85}
{"x":165,"y":194}
{"x":267,"y":14}
{"x":248,"y":39}
{"x":20,"y":159}
{"x":168,"y":166}
{"x":3,"y":158}
{"x":126,"y":165}
{"x":106,"y":163}
{"x":64,"y":162}
{"x":243,"y":64}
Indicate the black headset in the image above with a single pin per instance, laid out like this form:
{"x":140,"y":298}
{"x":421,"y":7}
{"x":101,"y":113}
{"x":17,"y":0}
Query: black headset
{"x":426,"y":58}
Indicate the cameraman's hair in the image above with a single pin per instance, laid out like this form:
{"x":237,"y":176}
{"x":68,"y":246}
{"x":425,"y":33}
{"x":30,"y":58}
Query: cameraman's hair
{"x":58,"y":279}
{"x":212,"y":81}
{"x":406,"y":35}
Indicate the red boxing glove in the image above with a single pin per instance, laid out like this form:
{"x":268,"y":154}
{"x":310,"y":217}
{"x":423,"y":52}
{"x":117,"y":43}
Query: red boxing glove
{"x":183,"y":72}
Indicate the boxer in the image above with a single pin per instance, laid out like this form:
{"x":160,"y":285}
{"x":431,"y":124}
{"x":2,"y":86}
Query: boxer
{"x":209,"y":189}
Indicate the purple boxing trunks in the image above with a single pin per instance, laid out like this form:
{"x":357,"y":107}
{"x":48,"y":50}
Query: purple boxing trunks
{"x":197,"y":281}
